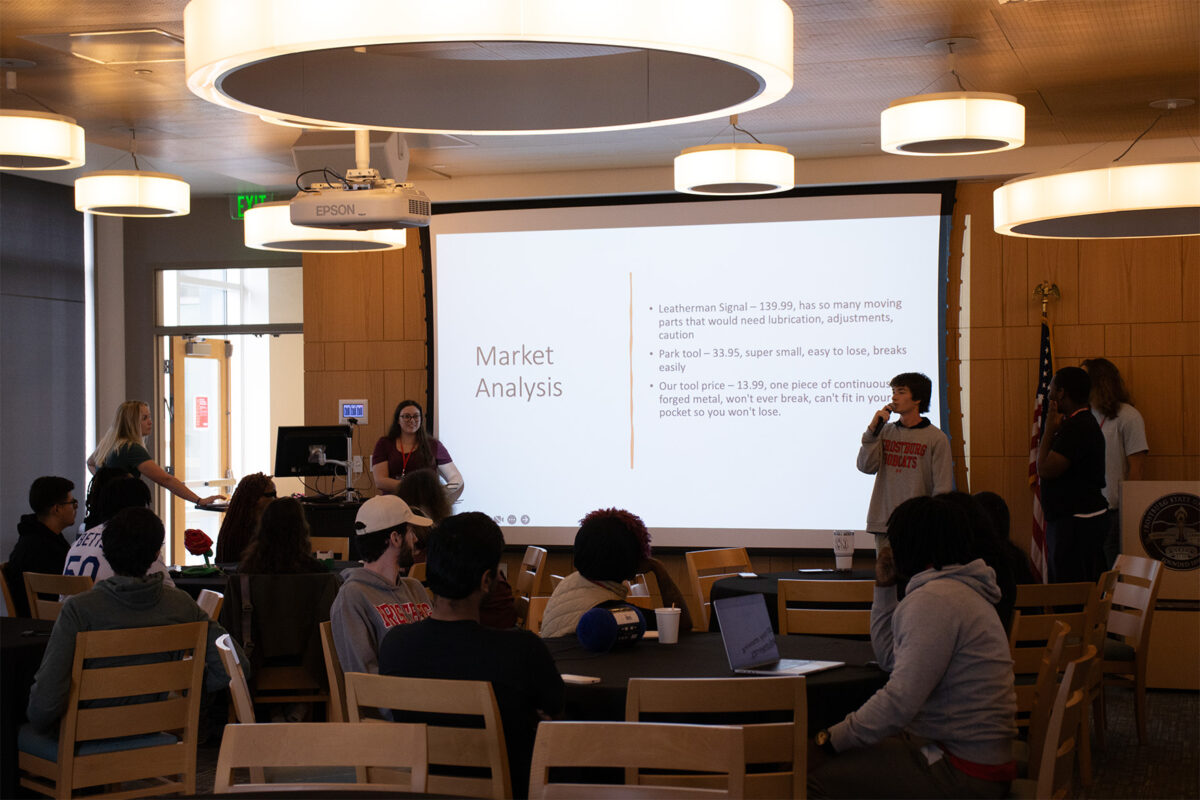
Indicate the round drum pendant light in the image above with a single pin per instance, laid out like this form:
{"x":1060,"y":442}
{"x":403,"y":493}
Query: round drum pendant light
{"x":952,"y":124}
{"x":490,"y":66}
{"x":132,"y":193}
{"x":735,"y":169}
{"x":1115,"y":202}
{"x":268,"y":226}
{"x":33,"y":140}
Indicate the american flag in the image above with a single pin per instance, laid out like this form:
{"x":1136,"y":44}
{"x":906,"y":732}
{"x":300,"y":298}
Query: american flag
{"x":1041,"y":402}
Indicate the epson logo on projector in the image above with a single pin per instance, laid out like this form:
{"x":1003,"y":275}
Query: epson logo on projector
{"x":336,"y":210}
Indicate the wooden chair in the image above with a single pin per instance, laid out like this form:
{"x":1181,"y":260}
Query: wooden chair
{"x":1095,"y":629}
{"x":1044,"y":692}
{"x":645,"y":585}
{"x":320,"y":745}
{"x":779,"y":748}
{"x":534,"y":612}
{"x":530,"y":574}
{"x":1128,"y":647}
{"x":39,"y":583}
{"x":150,"y":744}
{"x":706,"y":567}
{"x":211,"y":602}
{"x":1052,"y":767}
{"x":817,"y":614}
{"x":238,"y":688}
{"x":714,"y":749}
{"x":448,"y":746}
{"x":417,"y":571}
{"x":1038,"y":608}
{"x":337,"y":678}
{"x":10,"y":610}
{"x":338,"y":545}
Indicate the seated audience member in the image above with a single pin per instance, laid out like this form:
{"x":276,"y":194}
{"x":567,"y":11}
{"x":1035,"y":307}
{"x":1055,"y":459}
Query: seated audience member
{"x":41,"y":546}
{"x":1018,"y":559}
{"x":86,"y":556}
{"x":253,"y":494}
{"x":986,"y":544}
{"x":131,"y":598}
{"x":281,"y":544}
{"x":464,"y":552}
{"x":942,"y":726}
{"x":371,"y":599}
{"x":611,"y":547}
{"x":103,"y":477}
{"x":421,"y":487}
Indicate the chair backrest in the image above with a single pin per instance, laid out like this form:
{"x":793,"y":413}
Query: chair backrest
{"x":529,"y":577}
{"x":320,"y":745}
{"x":825,"y":607}
{"x":171,"y":688}
{"x":10,"y":610}
{"x":417,"y":571}
{"x":1134,"y":598}
{"x":243,"y":707}
{"x":645,"y":584}
{"x":782,"y":742}
{"x":338,"y":545}
{"x":38,"y":583}
{"x":706,"y":567}
{"x":333,"y":669}
{"x":535,"y":609}
{"x":1056,"y":763}
{"x":211,"y":602}
{"x":636,"y":745}
{"x":448,"y":746}
{"x":1044,"y":692}
{"x":1038,"y":607}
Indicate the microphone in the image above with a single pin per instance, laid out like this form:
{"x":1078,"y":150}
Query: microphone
{"x":878,"y":426}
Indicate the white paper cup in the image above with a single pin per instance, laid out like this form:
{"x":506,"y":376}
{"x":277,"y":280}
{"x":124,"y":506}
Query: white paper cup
{"x":668,"y":624}
{"x":843,"y":550}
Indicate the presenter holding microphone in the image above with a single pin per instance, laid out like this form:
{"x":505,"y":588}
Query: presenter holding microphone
{"x":123,"y":447}
{"x":909,"y":458}
{"x":407,"y":448}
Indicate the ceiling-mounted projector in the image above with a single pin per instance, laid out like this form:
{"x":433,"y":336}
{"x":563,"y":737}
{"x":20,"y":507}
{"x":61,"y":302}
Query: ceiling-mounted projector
{"x":382,"y":204}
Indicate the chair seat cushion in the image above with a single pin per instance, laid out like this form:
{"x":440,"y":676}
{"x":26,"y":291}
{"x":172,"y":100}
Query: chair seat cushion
{"x":1118,"y":651}
{"x":45,"y":746}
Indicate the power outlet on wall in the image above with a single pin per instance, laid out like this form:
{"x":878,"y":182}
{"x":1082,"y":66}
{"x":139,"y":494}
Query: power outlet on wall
{"x":356,"y":465}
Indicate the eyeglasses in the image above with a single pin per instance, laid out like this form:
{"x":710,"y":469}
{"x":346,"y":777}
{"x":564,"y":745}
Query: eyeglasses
{"x":410,"y":417}
{"x":72,"y":502}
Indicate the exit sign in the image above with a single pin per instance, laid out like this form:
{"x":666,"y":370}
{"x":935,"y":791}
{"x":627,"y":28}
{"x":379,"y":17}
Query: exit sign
{"x":239,"y":204}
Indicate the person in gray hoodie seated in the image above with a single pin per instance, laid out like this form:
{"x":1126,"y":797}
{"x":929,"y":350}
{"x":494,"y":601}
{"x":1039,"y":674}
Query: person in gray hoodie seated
{"x":131,"y":598}
{"x":942,"y":726}
{"x":371,"y":599}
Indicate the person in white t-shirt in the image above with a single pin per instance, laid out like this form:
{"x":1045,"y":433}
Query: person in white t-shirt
{"x":86,"y":556}
{"x":1125,"y":445}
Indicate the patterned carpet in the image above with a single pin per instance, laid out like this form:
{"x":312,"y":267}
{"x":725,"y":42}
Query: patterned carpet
{"x":1168,"y":766}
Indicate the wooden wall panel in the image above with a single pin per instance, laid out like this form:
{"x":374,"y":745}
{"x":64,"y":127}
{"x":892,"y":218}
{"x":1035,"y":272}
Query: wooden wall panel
{"x":1057,"y":262}
{"x":1190,"y":255}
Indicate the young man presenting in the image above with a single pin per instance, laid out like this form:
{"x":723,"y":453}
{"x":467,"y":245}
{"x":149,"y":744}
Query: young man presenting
{"x":909,"y":458}
{"x":371,"y":600}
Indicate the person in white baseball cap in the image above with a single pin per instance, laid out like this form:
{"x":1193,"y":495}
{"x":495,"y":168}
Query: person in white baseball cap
{"x":373,"y":598}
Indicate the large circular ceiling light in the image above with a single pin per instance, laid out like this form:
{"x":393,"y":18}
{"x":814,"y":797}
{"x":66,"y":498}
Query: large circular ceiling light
{"x":735,"y":169}
{"x":490,"y":66}
{"x":1116,"y":202}
{"x":132,"y":193}
{"x":952,"y":124}
{"x":268,"y":226}
{"x":32,"y":140}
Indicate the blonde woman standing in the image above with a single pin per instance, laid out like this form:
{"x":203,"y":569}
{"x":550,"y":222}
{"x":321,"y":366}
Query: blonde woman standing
{"x":123,"y":447}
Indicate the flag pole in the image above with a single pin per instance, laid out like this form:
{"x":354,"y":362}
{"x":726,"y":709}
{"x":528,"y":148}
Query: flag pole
{"x":1044,"y":291}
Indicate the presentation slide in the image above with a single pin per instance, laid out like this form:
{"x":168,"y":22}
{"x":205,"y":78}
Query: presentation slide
{"x":710,"y":367}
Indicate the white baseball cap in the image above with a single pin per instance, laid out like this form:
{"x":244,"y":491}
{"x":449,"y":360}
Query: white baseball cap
{"x":385,"y":512}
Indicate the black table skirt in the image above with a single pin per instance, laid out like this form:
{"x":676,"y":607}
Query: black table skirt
{"x":20,"y":657}
{"x":831,"y":694}
{"x":767,"y":584}
{"x":217,"y":583}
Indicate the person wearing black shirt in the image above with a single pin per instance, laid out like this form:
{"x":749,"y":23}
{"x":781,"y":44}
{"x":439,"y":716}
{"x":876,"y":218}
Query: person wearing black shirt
{"x":1070,"y":466}
{"x":41,"y":546}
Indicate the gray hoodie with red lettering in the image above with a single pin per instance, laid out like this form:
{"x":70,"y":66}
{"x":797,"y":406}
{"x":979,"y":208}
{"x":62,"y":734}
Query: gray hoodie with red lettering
{"x":907,"y":463}
{"x":365,"y":607}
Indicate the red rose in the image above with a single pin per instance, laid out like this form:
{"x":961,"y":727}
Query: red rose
{"x":197,"y":542}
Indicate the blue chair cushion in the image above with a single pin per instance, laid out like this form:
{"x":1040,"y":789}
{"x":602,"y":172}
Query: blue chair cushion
{"x":45,"y":746}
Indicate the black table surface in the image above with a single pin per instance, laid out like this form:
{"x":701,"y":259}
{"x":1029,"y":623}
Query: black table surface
{"x":22,"y":643}
{"x":831,"y":694}
{"x":767,"y":584}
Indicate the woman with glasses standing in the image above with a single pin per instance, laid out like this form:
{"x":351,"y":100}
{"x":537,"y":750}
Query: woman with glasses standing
{"x":407,"y":448}
{"x":123,"y":447}
{"x":253,"y":494}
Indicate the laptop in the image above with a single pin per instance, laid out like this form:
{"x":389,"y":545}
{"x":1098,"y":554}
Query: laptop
{"x":750,"y":641}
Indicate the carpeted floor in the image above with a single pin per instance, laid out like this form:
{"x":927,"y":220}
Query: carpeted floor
{"x":1168,"y":766}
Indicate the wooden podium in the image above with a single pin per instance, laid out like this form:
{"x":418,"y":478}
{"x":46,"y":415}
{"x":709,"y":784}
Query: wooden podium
{"x":1161,"y":520}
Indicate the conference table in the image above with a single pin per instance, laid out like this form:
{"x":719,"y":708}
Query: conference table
{"x":767,"y":584}
{"x":22,"y":644}
{"x":831,"y":694}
